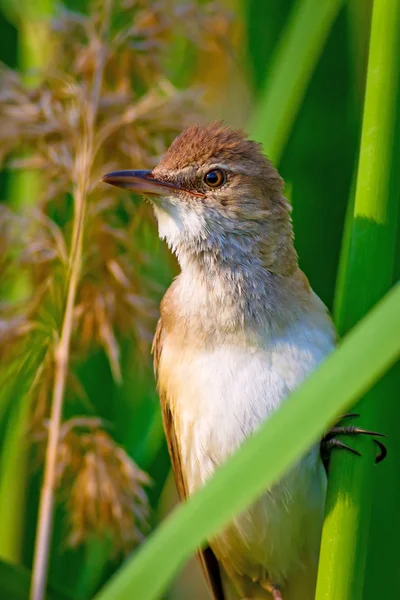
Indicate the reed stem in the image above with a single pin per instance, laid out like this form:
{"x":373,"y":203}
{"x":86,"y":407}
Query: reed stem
{"x":83,"y":165}
{"x":368,"y":275}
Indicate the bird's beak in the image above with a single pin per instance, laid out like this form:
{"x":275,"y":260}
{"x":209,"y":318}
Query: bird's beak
{"x":142,"y":182}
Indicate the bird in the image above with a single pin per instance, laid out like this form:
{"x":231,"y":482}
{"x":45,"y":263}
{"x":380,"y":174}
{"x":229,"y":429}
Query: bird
{"x":240,"y":328}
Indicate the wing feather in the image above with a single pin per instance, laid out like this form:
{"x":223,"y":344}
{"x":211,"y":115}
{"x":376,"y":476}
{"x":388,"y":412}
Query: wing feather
{"x":206,"y":556}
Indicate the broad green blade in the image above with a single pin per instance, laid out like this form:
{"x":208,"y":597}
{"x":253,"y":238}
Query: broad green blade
{"x":295,"y":59}
{"x":367,"y":274}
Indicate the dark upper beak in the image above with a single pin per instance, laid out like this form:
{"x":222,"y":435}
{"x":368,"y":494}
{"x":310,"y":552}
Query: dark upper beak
{"x":142,"y":182}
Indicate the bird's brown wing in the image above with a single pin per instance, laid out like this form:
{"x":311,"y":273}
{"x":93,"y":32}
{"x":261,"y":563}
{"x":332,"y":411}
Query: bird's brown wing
{"x":206,"y":556}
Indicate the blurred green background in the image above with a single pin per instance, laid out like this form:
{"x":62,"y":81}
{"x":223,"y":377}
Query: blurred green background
{"x":317,"y":158}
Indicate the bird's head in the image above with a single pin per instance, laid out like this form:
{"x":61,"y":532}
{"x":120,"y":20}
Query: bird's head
{"x":215,"y":192}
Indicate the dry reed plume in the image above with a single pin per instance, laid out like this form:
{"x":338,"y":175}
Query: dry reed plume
{"x":103,"y":101}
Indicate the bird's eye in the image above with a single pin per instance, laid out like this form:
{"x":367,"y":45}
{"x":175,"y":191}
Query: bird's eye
{"x":215,"y":178}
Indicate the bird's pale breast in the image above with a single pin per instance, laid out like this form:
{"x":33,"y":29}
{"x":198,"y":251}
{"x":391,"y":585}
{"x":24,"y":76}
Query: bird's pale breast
{"x":219,"y":395}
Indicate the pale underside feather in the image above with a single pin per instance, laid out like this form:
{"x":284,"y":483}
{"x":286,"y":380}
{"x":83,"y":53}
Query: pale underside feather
{"x":251,"y":375}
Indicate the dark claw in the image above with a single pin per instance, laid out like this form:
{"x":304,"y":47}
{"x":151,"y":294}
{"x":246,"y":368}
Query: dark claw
{"x":382,"y":451}
{"x":352,"y":430}
{"x":330,"y":441}
{"x":334,"y":443}
{"x":349,"y":416}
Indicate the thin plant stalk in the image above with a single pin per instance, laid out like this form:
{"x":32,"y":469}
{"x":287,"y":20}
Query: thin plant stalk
{"x":369,"y":273}
{"x":293,"y":64}
{"x":61,"y":360}
{"x":83,"y":164}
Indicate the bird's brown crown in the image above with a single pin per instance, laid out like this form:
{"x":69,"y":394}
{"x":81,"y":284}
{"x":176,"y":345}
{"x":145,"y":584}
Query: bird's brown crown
{"x":202,"y":144}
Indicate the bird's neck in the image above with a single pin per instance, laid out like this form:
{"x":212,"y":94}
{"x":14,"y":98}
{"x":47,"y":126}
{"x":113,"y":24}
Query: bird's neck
{"x":242,"y":251}
{"x":234,"y":265}
{"x":226,"y":289}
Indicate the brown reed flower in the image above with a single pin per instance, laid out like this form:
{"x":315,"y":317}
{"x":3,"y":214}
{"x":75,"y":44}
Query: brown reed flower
{"x":101,"y":485}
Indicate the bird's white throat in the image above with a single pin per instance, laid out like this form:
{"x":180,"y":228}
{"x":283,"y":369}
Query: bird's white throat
{"x":176,"y":225}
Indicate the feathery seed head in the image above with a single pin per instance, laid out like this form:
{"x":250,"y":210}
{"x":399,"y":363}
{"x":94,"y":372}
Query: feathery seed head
{"x":102,"y":487}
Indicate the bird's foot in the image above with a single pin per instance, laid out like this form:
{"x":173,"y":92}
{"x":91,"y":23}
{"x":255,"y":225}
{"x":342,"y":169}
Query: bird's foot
{"x":330,"y":441}
{"x":274,"y":589}
{"x":276,"y":592}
